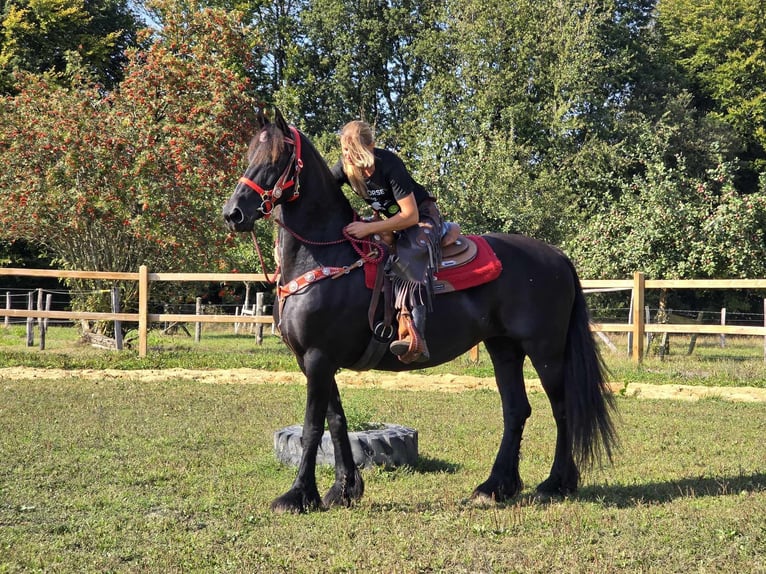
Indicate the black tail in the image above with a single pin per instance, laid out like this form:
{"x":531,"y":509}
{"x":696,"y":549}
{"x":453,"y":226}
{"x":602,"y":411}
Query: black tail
{"x":589,"y":402}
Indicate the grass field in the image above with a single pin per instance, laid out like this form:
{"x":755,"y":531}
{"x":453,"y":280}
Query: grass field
{"x":129,"y":476}
{"x":177,"y":476}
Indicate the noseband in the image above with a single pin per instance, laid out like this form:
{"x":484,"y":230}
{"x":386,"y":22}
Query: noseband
{"x":269,"y":197}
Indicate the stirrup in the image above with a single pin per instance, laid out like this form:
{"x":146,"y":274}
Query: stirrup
{"x":400,"y":347}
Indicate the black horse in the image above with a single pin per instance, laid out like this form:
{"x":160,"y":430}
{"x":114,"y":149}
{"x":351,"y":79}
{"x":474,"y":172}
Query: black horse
{"x":535,"y":308}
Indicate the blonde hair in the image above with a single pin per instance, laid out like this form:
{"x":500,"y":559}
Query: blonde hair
{"x":357,"y":138}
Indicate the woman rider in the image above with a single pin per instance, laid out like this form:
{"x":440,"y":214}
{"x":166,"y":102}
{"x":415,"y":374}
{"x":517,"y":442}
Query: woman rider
{"x":403,"y":208}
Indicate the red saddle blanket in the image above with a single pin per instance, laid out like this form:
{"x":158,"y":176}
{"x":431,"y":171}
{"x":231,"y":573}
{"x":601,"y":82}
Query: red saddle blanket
{"x":484,"y":268}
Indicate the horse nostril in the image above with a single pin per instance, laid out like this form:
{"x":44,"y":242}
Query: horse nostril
{"x":234,"y":216}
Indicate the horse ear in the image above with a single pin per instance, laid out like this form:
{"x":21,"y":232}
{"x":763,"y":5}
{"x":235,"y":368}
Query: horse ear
{"x":280,"y":121}
{"x":260,"y":118}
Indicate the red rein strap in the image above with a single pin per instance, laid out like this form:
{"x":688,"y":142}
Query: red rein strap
{"x":303,"y":281}
{"x":375,"y":255}
{"x":273,"y":278}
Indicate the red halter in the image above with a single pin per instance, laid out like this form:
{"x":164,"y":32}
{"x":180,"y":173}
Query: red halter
{"x":270,"y":196}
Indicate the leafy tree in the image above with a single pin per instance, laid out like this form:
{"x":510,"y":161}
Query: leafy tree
{"x":673,"y":222}
{"x":721,"y":49}
{"x":518,"y":93}
{"x":136,"y":176}
{"x":344,"y":60}
{"x":37,"y":37}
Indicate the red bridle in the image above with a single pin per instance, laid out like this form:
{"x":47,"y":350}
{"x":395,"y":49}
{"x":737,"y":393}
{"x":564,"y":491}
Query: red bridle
{"x":270,"y":196}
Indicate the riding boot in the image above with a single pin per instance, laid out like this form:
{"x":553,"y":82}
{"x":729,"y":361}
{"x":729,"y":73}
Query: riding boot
{"x":417,"y":323}
{"x":419,"y":315}
{"x":401,"y":346}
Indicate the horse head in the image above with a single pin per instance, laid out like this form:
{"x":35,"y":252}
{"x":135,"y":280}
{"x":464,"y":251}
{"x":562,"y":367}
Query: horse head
{"x":272,"y":175}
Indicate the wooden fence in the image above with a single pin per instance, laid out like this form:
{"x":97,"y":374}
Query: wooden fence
{"x":637,"y":327}
{"x":142,"y":317}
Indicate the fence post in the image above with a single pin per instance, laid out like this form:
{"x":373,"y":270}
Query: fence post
{"x":198,"y":326}
{"x":629,"y":351}
{"x":41,"y":321}
{"x":259,"y":313}
{"x":8,"y":307}
{"x":638,"y":316}
{"x":143,"y":309}
{"x":48,"y":301}
{"x":30,"y":320}
{"x":648,"y":319}
{"x":117,"y":323}
{"x":722,"y":337}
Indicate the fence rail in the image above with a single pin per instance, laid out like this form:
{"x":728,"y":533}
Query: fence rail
{"x":142,"y":317}
{"x":636,"y":327}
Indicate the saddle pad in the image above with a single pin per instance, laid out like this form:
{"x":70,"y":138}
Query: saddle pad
{"x":483,"y":268}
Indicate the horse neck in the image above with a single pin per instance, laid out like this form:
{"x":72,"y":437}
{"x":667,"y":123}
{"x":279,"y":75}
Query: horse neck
{"x":315,"y":221}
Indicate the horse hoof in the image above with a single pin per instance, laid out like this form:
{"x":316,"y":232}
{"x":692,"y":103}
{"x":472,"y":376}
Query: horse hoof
{"x":295,"y":502}
{"x":344,"y":492}
{"x":551,"y":489}
{"x":481,"y":499}
{"x":495,"y":491}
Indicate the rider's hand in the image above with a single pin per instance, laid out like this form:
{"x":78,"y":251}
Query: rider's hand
{"x":357,"y":229}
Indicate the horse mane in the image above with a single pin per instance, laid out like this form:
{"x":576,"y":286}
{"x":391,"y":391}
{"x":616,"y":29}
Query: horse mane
{"x":266,"y":146}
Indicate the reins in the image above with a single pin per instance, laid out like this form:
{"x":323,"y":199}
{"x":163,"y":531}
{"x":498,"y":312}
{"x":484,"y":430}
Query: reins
{"x":273,"y":278}
{"x":374,"y":255}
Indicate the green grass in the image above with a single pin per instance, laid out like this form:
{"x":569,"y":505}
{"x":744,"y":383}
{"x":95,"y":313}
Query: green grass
{"x":177,"y":476}
{"x":739,"y":363}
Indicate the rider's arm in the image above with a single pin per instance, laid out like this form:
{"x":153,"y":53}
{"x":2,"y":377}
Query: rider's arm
{"x":407,"y":217}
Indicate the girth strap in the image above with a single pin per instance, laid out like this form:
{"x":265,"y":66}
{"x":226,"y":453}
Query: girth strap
{"x":383,"y":332}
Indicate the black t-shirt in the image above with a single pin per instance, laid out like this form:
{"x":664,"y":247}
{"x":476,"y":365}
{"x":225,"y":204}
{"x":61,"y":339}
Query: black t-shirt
{"x":390,"y":181}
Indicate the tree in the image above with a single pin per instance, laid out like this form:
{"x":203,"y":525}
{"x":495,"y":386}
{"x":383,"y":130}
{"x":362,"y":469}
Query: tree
{"x":518,"y":92}
{"x":721,"y":49}
{"x":342,"y":60}
{"x":37,"y":37}
{"x":110,"y":181}
{"x":673,"y":222}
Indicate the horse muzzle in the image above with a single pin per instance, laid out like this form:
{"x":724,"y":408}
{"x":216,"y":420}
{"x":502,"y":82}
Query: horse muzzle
{"x":236,"y":219}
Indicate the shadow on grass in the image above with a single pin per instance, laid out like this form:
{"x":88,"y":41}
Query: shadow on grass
{"x":620,"y":496}
{"x":720,"y":357}
{"x":427,"y":465}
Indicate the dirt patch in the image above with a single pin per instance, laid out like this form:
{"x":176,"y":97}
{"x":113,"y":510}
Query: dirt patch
{"x":381,"y":380}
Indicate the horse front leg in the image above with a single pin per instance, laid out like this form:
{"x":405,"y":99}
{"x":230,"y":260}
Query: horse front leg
{"x":348,"y":486}
{"x":304,"y":494}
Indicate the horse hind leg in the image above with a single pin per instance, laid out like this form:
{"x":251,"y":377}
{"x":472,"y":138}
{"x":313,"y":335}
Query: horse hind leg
{"x":504,"y":481}
{"x":348,"y":486}
{"x":564,"y":475}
